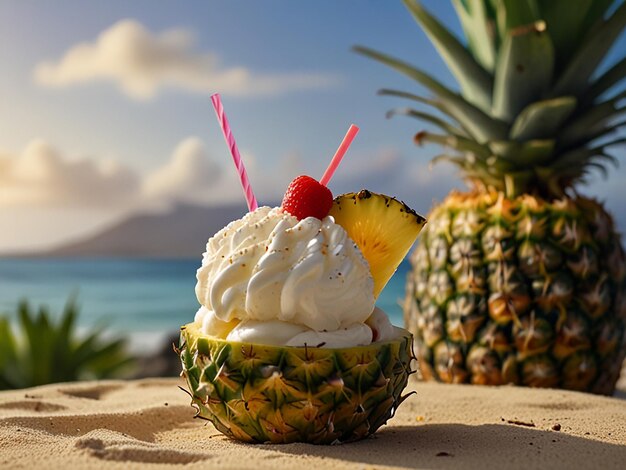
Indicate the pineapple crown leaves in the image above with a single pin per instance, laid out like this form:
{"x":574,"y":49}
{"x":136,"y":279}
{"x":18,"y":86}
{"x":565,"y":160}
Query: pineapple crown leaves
{"x":532,"y":104}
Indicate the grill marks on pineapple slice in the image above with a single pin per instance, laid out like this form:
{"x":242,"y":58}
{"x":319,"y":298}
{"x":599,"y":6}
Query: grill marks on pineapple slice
{"x":382,"y":227}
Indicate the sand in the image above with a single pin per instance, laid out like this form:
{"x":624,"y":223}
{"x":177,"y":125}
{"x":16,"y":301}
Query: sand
{"x":148,"y":424}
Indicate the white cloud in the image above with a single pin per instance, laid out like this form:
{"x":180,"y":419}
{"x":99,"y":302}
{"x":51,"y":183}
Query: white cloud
{"x":40,"y":176}
{"x":189,"y":176}
{"x":142,"y":63}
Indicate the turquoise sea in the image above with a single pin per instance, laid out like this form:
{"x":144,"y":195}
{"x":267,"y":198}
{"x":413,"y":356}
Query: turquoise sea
{"x":145,"y":299}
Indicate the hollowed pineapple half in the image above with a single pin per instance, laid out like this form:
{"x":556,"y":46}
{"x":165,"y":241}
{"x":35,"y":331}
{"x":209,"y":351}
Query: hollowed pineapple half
{"x":273,"y":394}
{"x":280,"y":394}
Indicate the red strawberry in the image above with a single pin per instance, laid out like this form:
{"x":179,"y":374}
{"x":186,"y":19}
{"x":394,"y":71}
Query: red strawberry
{"x":306,"y":197}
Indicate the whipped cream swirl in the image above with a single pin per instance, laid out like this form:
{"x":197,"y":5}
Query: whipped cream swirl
{"x":268,"y":266}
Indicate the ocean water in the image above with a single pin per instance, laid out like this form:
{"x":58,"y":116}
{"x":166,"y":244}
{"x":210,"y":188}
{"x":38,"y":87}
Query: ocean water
{"x":145,"y":299}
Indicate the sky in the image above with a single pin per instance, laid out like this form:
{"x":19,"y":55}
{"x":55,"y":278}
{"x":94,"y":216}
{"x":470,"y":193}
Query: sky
{"x":105,"y":107}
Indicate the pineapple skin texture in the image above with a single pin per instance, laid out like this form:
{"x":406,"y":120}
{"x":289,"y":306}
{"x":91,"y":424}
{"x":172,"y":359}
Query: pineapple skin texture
{"x":522,"y":291}
{"x":279,"y":395}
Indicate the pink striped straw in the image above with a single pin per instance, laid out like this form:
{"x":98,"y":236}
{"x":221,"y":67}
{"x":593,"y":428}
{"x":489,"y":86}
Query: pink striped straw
{"x":234,"y":151}
{"x":341,"y":151}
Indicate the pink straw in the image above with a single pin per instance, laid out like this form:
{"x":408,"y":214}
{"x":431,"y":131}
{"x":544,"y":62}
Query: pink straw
{"x":234,"y":151}
{"x":341,"y":151}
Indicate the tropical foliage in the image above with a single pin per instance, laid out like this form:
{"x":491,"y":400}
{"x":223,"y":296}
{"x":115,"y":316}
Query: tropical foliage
{"x":42,"y":350}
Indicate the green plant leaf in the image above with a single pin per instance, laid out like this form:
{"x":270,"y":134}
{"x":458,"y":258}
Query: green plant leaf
{"x":476,"y":84}
{"x":609,"y":158}
{"x":585,"y":156}
{"x":109,"y":359}
{"x":472,"y":169}
{"x":459,"y":144}
{"x":10,"y":376}
{"x":597,"y":10}
{"x":524,"y":154}
{"x":478,"y":124}
{"x":542,"y":119}
{"x":8,"y":349}
{"x":606,"y":81}
{"x":64,"y":337}
{"x":565,"y":25}
{"x":420,"y":99}
{"x":48,"y":351}
{"x":599,"y":133}
{"x":112,"y":369}
{"x":438,"y":105}
{"x":416,"y":74}
{"x":479,"y":30}
{"x":524,"y":70}
{"x":600,"y":167}
{"x":33,"y":341}
{"x":434,"y":120}
{"x":512,"y":14}
{"x":411,"y":96}
{"x":593,"y":49}
{"x":587,"y":124}
{"x":517,"y":182}
{"x":444,"y":157}
{"x":612,"y":143}
{"x":86,"y":348}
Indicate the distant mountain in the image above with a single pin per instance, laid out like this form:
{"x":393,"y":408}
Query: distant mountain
{"x":182,"y":232}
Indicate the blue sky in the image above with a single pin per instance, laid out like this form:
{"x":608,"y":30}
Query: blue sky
{"x":281,"y":134}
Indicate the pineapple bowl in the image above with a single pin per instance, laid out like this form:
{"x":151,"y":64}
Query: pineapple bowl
{"x":269,"y":394}
{"x":288,"y":345}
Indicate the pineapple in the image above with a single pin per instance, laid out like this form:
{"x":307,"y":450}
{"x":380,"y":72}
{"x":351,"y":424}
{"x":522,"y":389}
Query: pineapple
{"x":521,"y":279}
{"x":280,"y":394}
{"x":384,"y":241}
{"x":268,"y":394}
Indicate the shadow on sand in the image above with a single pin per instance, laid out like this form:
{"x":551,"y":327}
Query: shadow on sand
{"x":466,"y":446}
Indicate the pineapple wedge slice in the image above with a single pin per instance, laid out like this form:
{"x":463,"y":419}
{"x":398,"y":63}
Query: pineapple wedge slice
{"x":382,"y":227}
